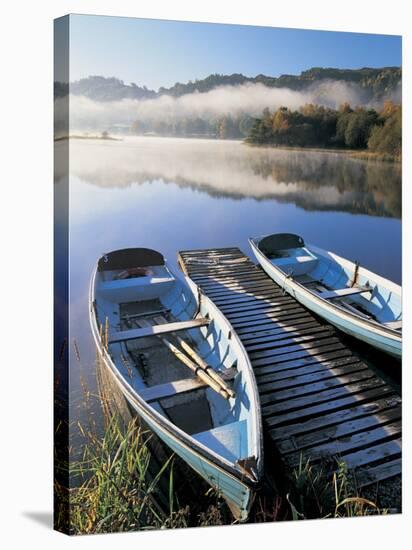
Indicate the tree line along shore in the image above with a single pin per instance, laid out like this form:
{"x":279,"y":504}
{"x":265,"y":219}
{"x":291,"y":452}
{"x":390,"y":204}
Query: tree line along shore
{"x":372,"y":133}
{"x":364,"y":132}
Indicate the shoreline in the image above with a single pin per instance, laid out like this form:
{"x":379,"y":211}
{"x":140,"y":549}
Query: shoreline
{"x":362,"y":154}
{"x":101,"y":138}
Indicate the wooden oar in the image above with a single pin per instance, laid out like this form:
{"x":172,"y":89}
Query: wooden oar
{"x":200,"y":373}
{"x":196,"y":357}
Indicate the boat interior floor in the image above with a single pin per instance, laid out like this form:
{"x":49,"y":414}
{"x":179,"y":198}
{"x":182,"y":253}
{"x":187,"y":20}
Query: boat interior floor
{"x":134,"y":310}
{"x":344,"y":301}
{"x":157,"y":365}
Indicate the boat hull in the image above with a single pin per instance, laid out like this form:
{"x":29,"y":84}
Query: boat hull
{"x":349,"y":324}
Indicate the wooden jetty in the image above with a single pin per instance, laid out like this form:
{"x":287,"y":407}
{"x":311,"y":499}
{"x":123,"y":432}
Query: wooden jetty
{"x":318,"y":399}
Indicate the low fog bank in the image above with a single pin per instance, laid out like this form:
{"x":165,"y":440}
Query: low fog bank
{"x":246,"y":99}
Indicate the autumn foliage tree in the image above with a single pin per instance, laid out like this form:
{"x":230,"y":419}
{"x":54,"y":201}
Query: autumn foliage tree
{"x":316,"y":125}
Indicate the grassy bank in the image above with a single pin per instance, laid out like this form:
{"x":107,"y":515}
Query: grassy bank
{"x":113,"y":491}
{"x":124,"y":479}
{"x":113,"y":488}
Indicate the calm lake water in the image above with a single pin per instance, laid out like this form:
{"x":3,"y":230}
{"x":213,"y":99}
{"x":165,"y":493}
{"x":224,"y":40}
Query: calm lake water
{"x":176,"y":194}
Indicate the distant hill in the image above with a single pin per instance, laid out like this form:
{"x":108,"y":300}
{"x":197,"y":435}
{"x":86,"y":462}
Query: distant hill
{"x":376,"y":84}
{"x":100,"y":88}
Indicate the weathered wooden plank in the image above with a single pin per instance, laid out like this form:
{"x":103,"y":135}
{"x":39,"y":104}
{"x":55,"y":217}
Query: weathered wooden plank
{"x":267,"y":313}
{"x":237,"y":290}
{"x":257,"y":277}
{"x":289,"y":366}
{"x":257,"y":305}
{"x":285,"y":340}
{"x":270,"y":315}
{"x":269,"y":393}
{"x":161,"y":391}
{"x":240,"y":271}
{"x":242,"y":298}
{"x":224,"y":290}
{"x":208,"y":251}
{"x":230,"y":258}
{"x":315,"y":368}
{"x":208,"y":281}
{"x":342,"y":292}
{"x":334,"y":401}
{"x":324,"y":421}
{"x":289,"y":346}
{"x":270,"y":321}
{"x":279,"y":332}
{"x":283,"y":329}
{"x":368,"y":475}
{"x":243,"y":291}
{"x":299,"y":352}
{"x":156,"y":330}
{"x":336,"y":431}
{"x":341,"y":446}
{"x":232,"y":294}
{"x":310,"y":378}
{"x":326,"y":396}
{"x":212,"y":270}
{"x":382,"y":451}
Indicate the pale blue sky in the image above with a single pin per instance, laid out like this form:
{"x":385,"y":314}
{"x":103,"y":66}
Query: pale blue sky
{"x":159,"y":53}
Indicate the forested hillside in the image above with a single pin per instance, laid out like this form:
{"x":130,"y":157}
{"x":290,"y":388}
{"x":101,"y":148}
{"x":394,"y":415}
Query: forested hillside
{"x":376,"y":84}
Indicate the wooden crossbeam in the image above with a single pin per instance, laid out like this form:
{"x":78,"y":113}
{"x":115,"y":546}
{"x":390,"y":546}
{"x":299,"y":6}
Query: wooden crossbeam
{"x":156,"y":330}
{"x":343,"y":292}
{"x":169,"y":389}
{"x":161,"y":391}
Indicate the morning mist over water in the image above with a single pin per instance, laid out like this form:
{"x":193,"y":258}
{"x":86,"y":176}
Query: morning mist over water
{"x":311,"y":180}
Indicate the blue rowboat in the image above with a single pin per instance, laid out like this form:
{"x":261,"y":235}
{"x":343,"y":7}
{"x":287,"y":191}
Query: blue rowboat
{"x":355,"y":300}
{"x":182,"y":368}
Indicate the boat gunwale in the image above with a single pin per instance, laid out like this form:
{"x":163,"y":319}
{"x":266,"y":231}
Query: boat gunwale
{"x":218,"y":461}
{"x":258,"y":428}
{"x":369,"y":323}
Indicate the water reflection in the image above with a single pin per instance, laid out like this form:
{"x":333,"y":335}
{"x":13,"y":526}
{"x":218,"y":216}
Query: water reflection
{"x":311,"y":180}
{"x":175,"y":194}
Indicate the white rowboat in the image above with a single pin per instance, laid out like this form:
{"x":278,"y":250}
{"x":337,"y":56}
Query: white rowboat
{"x":182,"y":368}
{"x":355,"y":300}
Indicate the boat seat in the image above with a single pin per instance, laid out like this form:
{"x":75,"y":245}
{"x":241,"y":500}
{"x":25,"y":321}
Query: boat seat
{"x":156,"y":330}
{"x":344,"y":292}
{"x":229,"y":440}
{"x":136,"y":288}
{"x":170,"y":389}
{"x":296,"y":265}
